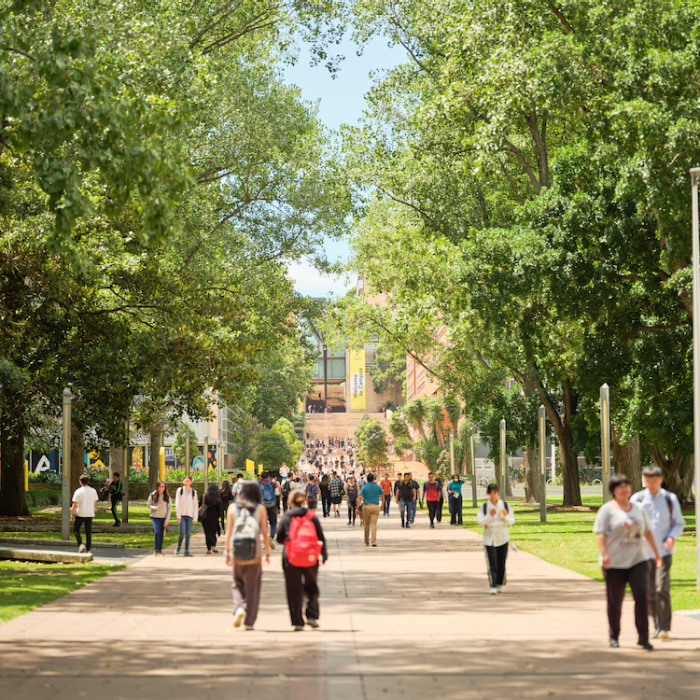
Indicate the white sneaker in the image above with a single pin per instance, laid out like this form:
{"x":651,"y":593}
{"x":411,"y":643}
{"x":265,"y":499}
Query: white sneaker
{"x":499,"y":589}
{"x":238,"y":617}
{"x":493,"y":591}
{"x":663,"y":634}
{"x":82,"y":549}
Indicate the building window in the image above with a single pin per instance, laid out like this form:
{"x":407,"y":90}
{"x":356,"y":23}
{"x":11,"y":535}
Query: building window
{"x":420,"y":386}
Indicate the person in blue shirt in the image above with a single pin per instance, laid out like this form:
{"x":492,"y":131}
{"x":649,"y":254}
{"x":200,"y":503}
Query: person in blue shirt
{"x":666,"y":524}
{"x":454,"y":493}
{"x":371,"y":494}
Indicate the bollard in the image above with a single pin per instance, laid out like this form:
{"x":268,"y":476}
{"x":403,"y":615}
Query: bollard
{"x":605,"y":438}
{"x":65,"y":482}
{"x":542,"y":420}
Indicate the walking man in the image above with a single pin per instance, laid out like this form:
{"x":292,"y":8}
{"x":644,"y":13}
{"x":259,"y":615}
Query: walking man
{"x":406,"y":496}
{"x":386,"y":488}
{"x":370,"y":496}
{"x":83,"y":509}
{"x":414,"y":503}
{"x":269,"y":492}
{"x":336,"y":491}
{"x":666,"y":524}
{"x":454,"y":494}
{"x":431,"y":495}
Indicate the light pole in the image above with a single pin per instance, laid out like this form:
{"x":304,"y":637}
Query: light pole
{"x":542,"y":420}
{"x":473,"y":463}
{"x":694,"y":174}
{"x":206,"y":460}
{"x":503,"y":458}
{"x":605,"y":438}
{"x":65,"y":477}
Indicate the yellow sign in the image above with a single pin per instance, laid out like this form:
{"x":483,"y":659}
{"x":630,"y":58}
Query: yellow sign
{"x":358,"y":380}
{"x":259,"y":468}
{"x":250,"y":466}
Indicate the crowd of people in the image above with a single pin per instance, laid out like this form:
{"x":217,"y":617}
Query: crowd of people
{"x":635,"y":533}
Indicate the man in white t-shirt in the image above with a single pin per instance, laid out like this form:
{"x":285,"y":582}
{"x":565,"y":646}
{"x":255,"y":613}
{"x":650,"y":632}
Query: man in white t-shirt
{"x":83,"y":510}
{"x":284,"y":470}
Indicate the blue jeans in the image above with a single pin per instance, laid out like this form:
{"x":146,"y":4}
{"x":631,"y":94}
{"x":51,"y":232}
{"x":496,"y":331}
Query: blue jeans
{"x":158,"y":530}
{"x":455,"y":510}
{"x":272,"y":519}
{"x":185,"y":531}
{"x":405,"y":509}
{"x":412,"y":510}
{"x":387,"y":503}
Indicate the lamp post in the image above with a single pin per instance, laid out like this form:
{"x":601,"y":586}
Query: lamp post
{"x":473,"y":464}
{"x":206,"y":461}
{"x":65,"y":476}
{"x":605,"y":438}
{"x":187,"y":452}
{"x":503,"y":457}
{"x":694,"y":174}
{"x":542,"y":420}
{"x":125,"y":480}
{"x":452,"y":454}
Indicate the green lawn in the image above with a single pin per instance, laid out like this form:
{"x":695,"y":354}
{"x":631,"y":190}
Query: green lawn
{"x":139,"y":512}
{"x":25,"y":586}
{"x":566,"y":539}
{"x":138,"y":540}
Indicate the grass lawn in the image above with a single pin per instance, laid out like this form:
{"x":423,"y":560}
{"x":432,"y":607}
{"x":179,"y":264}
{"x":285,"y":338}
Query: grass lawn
{"x":139,"y":512}
{"x":25,"y":586}
{"x":566,"y":539}
{"x":137,"y":540}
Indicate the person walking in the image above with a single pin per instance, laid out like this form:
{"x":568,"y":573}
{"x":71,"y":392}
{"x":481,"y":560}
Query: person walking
{"x":227,"y":497}
{"x":454,"y":499}
{"x":268,"y":493}
{"x":667,"y":524}
{"x":210,"y":510}
{"x":244,"y":542}
{"x":386,"y":488}
{"x":405,"y":497}
{"x":431,"y":495}
{"x":495,"y":516}
{"x":302,"y":536}
{"x":325,"y":495}
{"x":621,"y":528}
{"x":115,"y":496}
{"x":186,"y":512}
{"x":311,"y":490}
{"x":353,"y":493}
{"x":370,"y":496}
{"x":286,"y":488}
{"x":336,"y":488}
{"x":83,"y":511}
{"x":160,"y":505}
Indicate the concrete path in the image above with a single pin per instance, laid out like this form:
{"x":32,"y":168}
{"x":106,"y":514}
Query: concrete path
{"x":408,"y":619}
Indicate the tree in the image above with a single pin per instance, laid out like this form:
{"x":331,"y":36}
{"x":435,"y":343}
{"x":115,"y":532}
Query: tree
{"x":286,"y":429}
{"x":372,"y":443}
{"x":389,"y":371}
{"x":272,"y":450}
{"x":180,"y":443}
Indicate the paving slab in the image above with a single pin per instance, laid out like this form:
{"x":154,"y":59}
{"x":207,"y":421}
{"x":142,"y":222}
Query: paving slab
{"x":44,"y":554}
{"x":410,"y":618}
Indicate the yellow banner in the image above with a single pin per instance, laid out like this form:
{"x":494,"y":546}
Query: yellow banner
{"x":358,"y":380}
{"x":260,"y":468}
{"x":250,"y":466}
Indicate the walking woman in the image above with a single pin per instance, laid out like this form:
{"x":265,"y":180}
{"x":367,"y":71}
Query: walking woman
{"x":622,"y":529}
{"x":300,"y":532}
{"x":160,"y":506}
{"x":186,"y":512}
{"x":325,"y":495}
{"x":353,"y":491}
{"x":210,"y":509}
{"x":495,"y":516}
{"x":246,"y":527}
{"x":226,"y":499}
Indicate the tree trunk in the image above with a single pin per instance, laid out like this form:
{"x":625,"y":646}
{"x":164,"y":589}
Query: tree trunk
{"x":678,"y":472}
{"x":627,"y":460}
{"x":532,"y":475}
{"x":77,"y":462}
{"x":154,"y":461}
{"x":13,"y":500}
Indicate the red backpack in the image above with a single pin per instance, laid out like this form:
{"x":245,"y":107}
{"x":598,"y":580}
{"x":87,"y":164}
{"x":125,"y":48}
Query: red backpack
{"x":303,"y":546}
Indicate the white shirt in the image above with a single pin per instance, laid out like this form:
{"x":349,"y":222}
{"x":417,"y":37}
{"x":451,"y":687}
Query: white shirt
{"x":660,"y":524}
{"x":496,"y":532}
{"x":186,"y":503}
{"x":85,"y":497}
{"x":284,"y":471}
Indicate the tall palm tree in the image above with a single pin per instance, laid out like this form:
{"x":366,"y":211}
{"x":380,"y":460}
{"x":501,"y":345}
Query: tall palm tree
{"x":453,"y":408}
{"x":435,"y":414}
{"x":415,"y":415}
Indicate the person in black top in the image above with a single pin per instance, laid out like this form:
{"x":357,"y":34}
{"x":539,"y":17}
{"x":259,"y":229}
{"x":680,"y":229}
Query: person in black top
{"x":226,"y":499}
{"x":326,"y":495}
{"x":406,"y":496}
{"x":301,"y":581}
{"x":211,"y":519}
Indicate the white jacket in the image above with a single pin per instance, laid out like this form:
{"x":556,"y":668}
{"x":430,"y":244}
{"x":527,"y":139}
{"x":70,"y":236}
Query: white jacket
{"x":186,"y":503}
{"x":496,"y":531}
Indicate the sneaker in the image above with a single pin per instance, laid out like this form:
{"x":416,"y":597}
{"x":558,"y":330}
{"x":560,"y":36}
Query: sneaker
{"x":614,"y":643}
{"x":82,"y":549}
{"x":499,"y":589}
{"x":655,"y":634}
{"x":188,"y":554}
{"x":238,"y":617}
{"x":349,"y":523}
{"x":663,"y":634}
{"x":272,"y":545}
{"x":298,"y":628}
{"x":644,"y":643}
{"x":408,"y":525}
{"x":117,"y":524}
{"x":249,"y":628}
{"x":374,"y":544}
{"x":493,"y":591}
{"x":312,"y":623}
{"x":366,"y":544}
{"x":403,"y":524}
{"x":432,"y":525}
{"x":177,"y":551}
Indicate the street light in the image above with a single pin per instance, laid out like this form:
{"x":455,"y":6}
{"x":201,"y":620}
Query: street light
{"x":542,"y":420}
{"x":503,"y":458}
{"x":65,"y":476}
{"x":605,"y":438}
{"x":694,"y":174}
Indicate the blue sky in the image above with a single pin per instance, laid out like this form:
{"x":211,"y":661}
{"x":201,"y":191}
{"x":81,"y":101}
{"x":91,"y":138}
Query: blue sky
{"x":340,"y":101}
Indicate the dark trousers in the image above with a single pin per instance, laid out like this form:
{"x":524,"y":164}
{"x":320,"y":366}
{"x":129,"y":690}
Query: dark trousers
{"x":433,"y":509}
{"x":455,"y":510}
{"x":158,"y":530}
{"x":660,"y":594}
{"x":115,"y":502}
{"x":387,"y":503}
{"x":272,"y":519}
{"x":301,"y":583}
{"x":247,"y":582}
{"x":326,"y":500}
{"x":351,"y":511}
{"x":210,"y":527}
{"x":88,"y":531}
{"x":224,"y":514}
{"x":615,"y":582}
{"x":438,"y":517}
{"x":496,"y":563}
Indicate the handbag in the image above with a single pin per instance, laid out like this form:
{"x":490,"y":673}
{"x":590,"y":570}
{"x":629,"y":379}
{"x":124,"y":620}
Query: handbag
{"x":203,"y":510}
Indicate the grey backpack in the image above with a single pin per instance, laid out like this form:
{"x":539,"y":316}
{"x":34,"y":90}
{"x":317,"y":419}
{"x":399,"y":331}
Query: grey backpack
{"x":246,"y":535}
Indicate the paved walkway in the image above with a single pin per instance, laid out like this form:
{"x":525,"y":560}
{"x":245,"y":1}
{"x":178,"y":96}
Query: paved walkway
{"x":409,"y":619}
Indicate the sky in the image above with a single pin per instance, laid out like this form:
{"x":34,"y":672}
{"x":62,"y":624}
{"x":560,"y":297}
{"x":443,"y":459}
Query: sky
{"x":340,"y":101}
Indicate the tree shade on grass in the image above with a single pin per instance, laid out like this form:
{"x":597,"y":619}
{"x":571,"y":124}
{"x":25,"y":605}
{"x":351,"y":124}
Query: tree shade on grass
{"x":567,"y":540}
{"x":135,"y":540}
{"x":25,"y":586}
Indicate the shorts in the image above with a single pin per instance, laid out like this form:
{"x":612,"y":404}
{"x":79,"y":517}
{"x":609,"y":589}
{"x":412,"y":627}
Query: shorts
{"x":336,"y":499}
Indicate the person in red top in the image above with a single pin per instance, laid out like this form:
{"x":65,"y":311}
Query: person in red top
{"x":386,"y":487}
{"x":431,"y":495}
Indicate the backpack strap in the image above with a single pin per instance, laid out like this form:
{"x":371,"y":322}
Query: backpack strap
{"x":669,"y":503}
